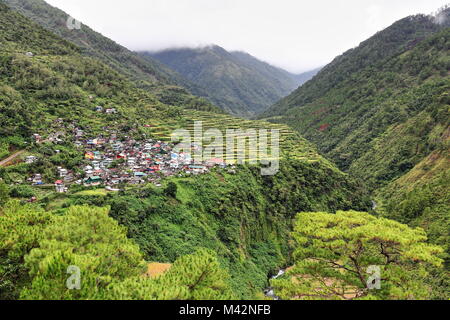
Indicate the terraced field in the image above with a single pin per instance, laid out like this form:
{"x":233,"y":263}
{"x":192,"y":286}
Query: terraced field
{"x":291,"y":145}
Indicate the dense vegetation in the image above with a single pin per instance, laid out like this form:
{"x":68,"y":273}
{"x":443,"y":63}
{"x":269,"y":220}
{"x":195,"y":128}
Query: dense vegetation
{"x":165,"y":84}
{"x":381,"y":112}
{"x":335,"y":254}
{"x":38,"y":251}
{"x":237,"y":82}
{"x":370,"y":93}
{"x":220,"y":235}
{"x":223,"y":233}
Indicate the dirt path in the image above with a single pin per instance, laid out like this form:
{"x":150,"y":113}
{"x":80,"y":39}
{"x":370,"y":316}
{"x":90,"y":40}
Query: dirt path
{"x":3,"y":163}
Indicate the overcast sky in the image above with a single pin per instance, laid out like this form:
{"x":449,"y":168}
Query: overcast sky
{"x":297,"y":35}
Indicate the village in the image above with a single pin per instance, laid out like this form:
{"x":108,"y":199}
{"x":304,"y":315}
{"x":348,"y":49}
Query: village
{"x":113,"y":162}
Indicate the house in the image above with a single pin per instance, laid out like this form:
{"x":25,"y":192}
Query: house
{"x":89,"y":156}
{"x":97,"y":155}
{"x":215,"y":162}
{"x":99,"y":108}
{"x":30,"y":159}
{"x":79,"y":133}
{"x":140,"y":174}
{"x":37,"y":138}
{"x":62,"y":172}
{"x":93,"y":181}
{"x":196,"y":169}
{"x":155,"y":168}
{"x":29,"y":54}
{"x":100,"y":141}
{"x":111,"y":111}
{"x":59,"y":186}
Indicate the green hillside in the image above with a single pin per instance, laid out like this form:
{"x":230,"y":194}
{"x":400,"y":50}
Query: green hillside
{"x":168,"y":86}
{"x":50,"y":88}
{"x":276,"y":75}
{"x":237,"y":82}
{"x":381,"y":113}
{"x":351,"y":118}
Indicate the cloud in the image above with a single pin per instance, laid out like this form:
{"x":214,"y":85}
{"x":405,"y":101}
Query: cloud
{"x":292,"y":34}
{"x":374,"y":16}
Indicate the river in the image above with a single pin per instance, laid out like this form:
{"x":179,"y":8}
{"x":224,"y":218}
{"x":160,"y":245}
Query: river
{"x":269,"y":292}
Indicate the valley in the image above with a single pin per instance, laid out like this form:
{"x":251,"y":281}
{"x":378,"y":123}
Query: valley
{"x":93,"y":173}
{"x":237,"y":82}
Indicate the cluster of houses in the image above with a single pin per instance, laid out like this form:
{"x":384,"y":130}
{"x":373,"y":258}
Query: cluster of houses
{"x":111,"y":161}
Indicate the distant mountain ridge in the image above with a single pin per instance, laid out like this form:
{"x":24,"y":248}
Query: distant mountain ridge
{"x":236,"y":81}
{"x":168,"y":86}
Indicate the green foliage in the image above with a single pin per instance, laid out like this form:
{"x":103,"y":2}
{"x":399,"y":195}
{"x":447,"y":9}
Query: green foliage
{"x":171,"y":190}
{"x":88,"y":239}
{"x":244,"y":217}
{"x":4,"y":193}
{"x":22,"y":191}
{"x":145,"y":73}
{"x":333,"y":254}
{"x":21,"y":230}
{"x":370,"y":110}
{"x":237,"y":82}
{"x":198,"y":276}
{"x":381,"y":112}
{"x":37,"y":251}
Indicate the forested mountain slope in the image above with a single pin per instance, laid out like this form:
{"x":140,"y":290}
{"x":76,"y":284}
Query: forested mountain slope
{"x":168,"y":86}
{"x":390,"y":79}
{"x":381,"y":112}
{"x":390,"y":42}
{"x":235,"y":81}
{"x":278,"y":75}
{"x":47,"y":87}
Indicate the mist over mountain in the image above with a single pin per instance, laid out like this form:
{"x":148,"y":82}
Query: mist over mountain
{"x":236,"y":81}
{"x":92,"y":181}
{"x":381,"y":112}
{"x":169,"y":86}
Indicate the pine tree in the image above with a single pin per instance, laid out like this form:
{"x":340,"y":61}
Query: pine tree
{"x":85,"y":254}
{"x":4,"y":193}
{"x":86,"y":240}
{"x":21,"y":229}
{"x":198,"y":276}
{"x":337,"y":256}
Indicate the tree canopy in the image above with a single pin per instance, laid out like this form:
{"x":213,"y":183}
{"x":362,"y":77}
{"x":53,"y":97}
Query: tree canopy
{"x":336,"y":256}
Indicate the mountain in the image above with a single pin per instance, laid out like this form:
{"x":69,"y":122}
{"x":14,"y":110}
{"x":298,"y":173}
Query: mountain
{"x":168,"y":86}
{"x":50,"y":88}
{"x":236,"y":81}
{"x":357,"y":98}
{"x":304,"y":77}
{"x":381,"y":112}
{"x":275,"y":73}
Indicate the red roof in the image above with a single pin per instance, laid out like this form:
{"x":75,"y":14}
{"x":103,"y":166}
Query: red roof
{"x":59,"y":182}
